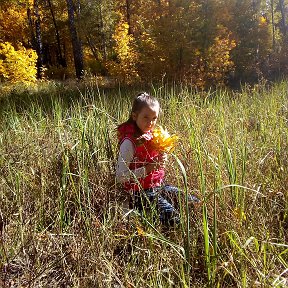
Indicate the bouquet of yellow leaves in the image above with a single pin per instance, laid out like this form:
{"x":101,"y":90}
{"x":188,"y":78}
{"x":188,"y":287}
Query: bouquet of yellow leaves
{"x":162,"y":141}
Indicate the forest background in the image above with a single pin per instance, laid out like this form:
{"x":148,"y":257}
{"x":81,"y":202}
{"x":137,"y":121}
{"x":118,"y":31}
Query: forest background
{"x":200,"y":43}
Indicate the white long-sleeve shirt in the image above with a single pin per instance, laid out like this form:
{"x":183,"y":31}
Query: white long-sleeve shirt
{"x":126,"y":156}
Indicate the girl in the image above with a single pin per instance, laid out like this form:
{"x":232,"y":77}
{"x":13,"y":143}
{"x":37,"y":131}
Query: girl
{"x":140,"y":168}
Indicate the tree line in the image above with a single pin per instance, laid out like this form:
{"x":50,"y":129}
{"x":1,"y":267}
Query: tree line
{"x":198,"y":42}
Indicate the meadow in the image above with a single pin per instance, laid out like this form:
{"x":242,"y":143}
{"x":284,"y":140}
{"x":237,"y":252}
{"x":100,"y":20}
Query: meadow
{"x":62,"y":222}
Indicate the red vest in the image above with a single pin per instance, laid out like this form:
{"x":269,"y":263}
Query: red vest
{"x":144,"y":153}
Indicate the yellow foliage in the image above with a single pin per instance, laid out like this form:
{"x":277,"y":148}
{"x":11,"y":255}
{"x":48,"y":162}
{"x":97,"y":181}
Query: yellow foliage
{"x":17,"y":65}
{"x":152,"y":58}
{"x":162,"y":141}
{"x":124,"y":68}
{"x":219,"y":58}
{"x":262,"y":21}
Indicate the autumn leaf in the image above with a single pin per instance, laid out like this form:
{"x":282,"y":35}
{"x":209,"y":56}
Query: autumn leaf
{"x":140,"y":231}
{"x":162,"y":141}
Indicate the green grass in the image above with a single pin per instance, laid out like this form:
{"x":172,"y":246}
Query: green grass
{"x":61,"y":209}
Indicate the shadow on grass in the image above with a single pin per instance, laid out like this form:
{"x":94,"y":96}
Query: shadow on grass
{"x":22,"y":98}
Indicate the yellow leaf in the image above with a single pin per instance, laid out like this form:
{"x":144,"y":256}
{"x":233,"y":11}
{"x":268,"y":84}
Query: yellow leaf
{"x":140,"y":231}
{"x":162,"y":141}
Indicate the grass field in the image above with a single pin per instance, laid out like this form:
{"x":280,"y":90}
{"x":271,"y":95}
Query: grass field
{"x":63,"y":225}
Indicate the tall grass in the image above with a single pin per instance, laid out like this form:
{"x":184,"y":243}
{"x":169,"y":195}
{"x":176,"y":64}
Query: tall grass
{"x":63,"y":224}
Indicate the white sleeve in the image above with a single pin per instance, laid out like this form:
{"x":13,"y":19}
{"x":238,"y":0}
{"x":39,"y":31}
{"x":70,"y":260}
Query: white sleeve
{"x":126,"y":155}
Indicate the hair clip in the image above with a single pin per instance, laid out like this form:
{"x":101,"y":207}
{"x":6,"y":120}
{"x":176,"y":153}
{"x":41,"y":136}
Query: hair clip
{"x":143,"y":94}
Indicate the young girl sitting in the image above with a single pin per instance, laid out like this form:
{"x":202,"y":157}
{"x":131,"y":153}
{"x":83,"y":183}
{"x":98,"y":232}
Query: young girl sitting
{"x":140,"y":168}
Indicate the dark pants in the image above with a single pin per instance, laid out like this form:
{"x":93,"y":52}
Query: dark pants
{"x":161,"y":201}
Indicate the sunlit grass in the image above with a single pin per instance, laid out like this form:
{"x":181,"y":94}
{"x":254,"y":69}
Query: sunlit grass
{"x":63,"y":223}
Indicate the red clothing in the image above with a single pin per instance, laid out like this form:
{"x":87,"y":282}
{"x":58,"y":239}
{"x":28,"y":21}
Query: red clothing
{"x":144,"y":153}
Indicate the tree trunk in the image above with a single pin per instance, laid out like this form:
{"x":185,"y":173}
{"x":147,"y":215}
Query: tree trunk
{"x":76,"y":42}
{"x":60,"y":57}
{"x":128,"y":16}
{"x":273,"y":24}
{"x":103,"y":36}
{"x":92,"y":47}
{"x":31,"y":27}
{"x":36,"y":37}
{"x":283,"y":18}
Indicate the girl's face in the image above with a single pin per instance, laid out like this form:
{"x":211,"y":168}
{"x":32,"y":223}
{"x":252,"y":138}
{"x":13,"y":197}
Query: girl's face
{"x":146,"y":118}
